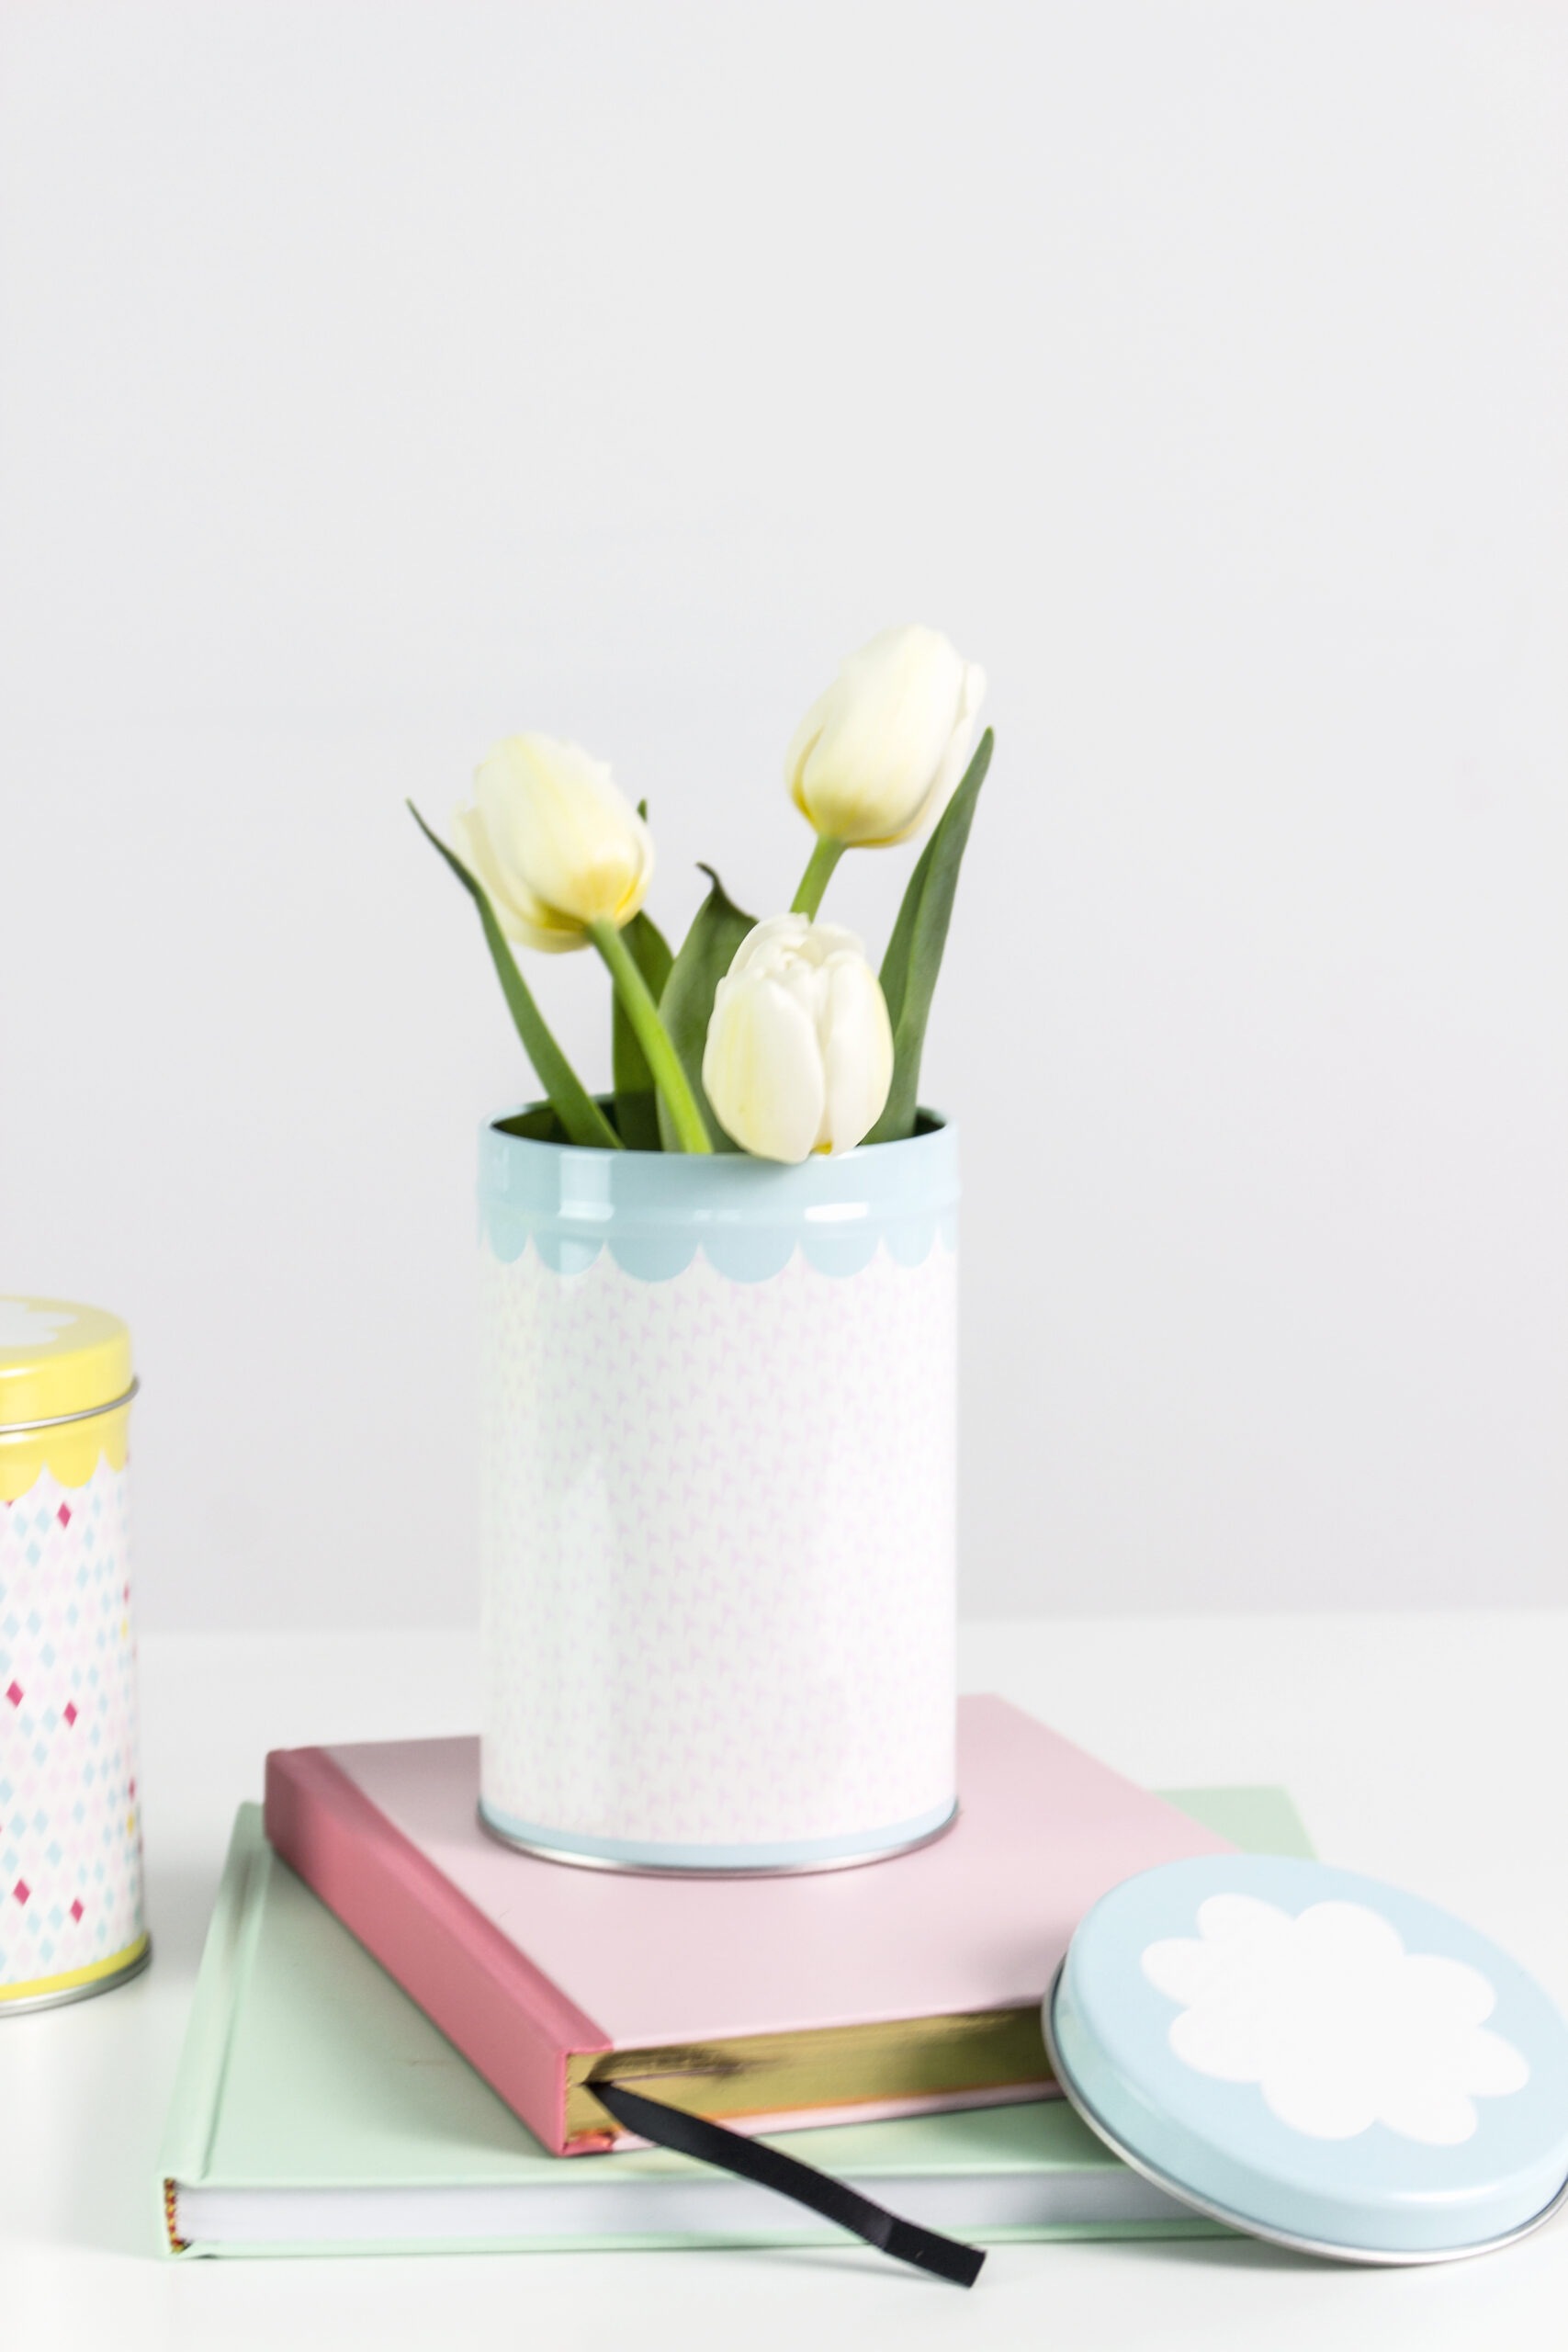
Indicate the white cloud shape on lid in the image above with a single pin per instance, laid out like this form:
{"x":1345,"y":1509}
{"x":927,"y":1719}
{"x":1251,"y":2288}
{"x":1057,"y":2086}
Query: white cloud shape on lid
{"x":1338,"y":2025}
{"x":23,"y":1325}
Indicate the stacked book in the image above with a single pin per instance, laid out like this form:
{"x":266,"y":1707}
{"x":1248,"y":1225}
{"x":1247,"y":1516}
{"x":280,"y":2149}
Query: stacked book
{"x":400,"y":2027}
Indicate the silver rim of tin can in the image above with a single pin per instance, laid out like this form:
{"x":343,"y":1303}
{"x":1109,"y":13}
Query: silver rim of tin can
{"x":578,"y":1861}
{"x":29,"y":2002}
{"x":1327,"y":2249}
{"x":57,"y":1420}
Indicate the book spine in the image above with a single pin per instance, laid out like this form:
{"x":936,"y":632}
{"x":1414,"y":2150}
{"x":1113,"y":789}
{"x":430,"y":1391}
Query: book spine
{"x":486,"y":1996}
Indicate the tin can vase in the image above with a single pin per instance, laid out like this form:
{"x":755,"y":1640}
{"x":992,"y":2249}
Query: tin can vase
{"x":719,"y":1406}
{"x":71,"y":1907}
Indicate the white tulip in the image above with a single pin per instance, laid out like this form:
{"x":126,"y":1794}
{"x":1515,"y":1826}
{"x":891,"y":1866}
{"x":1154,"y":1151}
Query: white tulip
{"x":554,"y":843}
{"x":799,"y":1054}
{"x":883,"y":749}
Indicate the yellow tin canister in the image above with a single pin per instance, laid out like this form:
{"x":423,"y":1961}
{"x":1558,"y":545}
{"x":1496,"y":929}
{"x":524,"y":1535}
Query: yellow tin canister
{"x":71,"y":1904}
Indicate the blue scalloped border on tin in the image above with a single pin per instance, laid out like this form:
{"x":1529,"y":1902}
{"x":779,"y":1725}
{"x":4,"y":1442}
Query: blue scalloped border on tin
{"x":654,"y":1210}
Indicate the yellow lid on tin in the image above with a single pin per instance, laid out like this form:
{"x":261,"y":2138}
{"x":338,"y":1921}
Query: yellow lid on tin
{"x":58,"y":1359}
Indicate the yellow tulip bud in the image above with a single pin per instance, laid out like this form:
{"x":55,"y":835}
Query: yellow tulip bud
{"x":554,"y":843}
{"x":880,"y":753}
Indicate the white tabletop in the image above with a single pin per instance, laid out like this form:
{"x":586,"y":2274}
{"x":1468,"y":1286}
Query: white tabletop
{"x":1425,"y":1749}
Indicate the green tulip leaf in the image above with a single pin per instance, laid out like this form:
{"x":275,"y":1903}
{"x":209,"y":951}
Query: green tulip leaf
{"x":914,"y":952}
{"x":636,"y":1109}
{"x":582,"y":1121}
{"x":686,"y":1006}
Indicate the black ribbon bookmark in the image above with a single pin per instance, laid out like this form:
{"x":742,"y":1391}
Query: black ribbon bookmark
{"x":694,"y":2135}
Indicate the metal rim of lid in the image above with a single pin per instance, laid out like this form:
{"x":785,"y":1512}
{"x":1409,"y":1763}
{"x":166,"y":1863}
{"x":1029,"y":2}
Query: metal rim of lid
{"x":57,"y":1420}
{"x":29,"y":2004}
{"x":574,"y":1858}
{"x":1324,"y":2248}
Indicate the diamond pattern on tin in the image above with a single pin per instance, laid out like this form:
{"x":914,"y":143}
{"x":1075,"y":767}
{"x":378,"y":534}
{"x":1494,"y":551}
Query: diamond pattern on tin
{"x":70,"y":1841}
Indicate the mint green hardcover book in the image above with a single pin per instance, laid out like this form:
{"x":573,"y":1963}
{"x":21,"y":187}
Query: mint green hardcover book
{"x":317,"y":2110}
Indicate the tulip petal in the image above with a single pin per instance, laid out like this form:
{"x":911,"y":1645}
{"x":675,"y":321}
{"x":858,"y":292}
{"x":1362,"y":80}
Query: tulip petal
{"x":768,"y":945}
{"x":857,"y":1053}
{"x":560,"y":831}
{"x":887,"y":722}
{"x":520,"y":915}
{"x":763,"y":1068}
{"x":802,"y":745}
{"x":955,"y":759}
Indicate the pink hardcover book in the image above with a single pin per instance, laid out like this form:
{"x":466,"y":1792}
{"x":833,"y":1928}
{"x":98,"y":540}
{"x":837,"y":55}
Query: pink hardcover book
{"x":903,"y":1987}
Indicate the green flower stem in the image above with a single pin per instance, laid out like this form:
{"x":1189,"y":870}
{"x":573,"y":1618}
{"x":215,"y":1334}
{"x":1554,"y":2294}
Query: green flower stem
{"x":817,"y":875}
{"x":652,"y":1036}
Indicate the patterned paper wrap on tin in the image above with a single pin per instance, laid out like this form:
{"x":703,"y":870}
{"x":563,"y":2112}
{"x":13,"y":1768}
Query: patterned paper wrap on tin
{"x":719,"y":1439}
{"x":70,"y":1907}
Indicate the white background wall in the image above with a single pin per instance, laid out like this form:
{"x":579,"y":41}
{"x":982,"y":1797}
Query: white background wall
{"x":379,"y":378}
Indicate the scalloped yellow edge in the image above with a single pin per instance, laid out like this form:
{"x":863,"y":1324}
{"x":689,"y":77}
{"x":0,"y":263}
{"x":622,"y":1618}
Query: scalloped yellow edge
{"x":71,"y":1453}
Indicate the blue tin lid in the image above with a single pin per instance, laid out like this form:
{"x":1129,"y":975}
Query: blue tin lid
{"x":1315,"y":2057}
